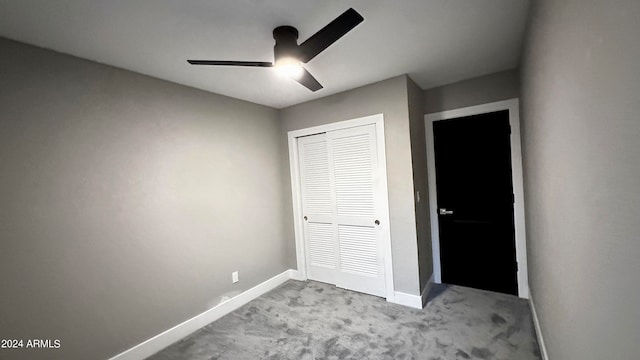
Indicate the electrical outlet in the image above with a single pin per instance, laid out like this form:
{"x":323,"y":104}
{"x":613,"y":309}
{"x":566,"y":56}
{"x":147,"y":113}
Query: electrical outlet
{"x":234,"y":277}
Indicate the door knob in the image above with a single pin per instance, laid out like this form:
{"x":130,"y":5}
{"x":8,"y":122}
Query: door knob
{"x":305,"y":218}
{"x":377,"y":222}
{"x":443,"y":211}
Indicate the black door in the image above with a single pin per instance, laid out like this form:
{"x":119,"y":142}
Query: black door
{"x":475,"y":202}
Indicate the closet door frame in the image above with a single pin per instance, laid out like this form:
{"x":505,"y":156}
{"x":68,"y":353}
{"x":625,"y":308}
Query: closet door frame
{"x":382,"y":197}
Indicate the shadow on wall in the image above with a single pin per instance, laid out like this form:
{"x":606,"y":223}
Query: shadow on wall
{"x":481,"y":90}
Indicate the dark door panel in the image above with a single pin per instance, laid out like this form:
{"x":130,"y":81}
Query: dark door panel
{"x":475,"y":201}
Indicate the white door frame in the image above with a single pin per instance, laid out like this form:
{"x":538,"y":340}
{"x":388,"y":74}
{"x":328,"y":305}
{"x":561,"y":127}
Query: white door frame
{"x":296,"y":192}
{"x":516,"y":168}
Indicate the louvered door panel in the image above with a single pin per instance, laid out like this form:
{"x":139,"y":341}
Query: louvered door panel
{"x":358,"y":250}
{"x":315,"y":171}
{"x":354,"y":165}
{"x":318,"y":207}
{"x":322,"y":245}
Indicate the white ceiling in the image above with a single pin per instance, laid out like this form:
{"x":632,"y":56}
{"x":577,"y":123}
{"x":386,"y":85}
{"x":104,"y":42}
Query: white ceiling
{"x":434,"y":41}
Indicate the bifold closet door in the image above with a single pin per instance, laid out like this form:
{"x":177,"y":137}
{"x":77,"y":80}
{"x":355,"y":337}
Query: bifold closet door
{"x":341,"y":198}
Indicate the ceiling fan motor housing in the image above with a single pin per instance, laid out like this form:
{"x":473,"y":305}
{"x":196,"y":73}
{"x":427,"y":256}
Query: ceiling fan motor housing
{"x":286,"y":38}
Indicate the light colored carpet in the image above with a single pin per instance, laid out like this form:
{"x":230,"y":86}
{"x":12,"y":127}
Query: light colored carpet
{"x":312,"y":320}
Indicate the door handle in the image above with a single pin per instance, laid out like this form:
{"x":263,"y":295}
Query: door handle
{"x":443,"y":211}
{"x":305,"y":218}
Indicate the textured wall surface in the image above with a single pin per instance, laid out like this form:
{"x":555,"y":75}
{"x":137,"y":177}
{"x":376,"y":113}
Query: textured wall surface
{"x":127,"y":202}
{"x":581,"y":106}
{"x":388,"y":97}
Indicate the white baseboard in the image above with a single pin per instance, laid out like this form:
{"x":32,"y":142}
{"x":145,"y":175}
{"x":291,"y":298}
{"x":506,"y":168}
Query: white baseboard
{"x":536,"y":324}
{"x":170,"y":336}
{"x":427,"y":290}
{"x":296,"y":275}
{"x":414,"y":301}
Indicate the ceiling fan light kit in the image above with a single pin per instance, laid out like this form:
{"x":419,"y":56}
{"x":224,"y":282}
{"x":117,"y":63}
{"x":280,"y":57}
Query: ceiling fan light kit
{"x":289,"y":56}
{"x":289,"y":67}
{"x":286,"y":52}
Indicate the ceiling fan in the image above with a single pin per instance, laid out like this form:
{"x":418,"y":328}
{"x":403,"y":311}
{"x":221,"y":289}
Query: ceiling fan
{"x":289,"y":56}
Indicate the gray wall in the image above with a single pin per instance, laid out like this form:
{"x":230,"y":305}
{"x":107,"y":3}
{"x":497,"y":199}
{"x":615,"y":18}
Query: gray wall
{"x":421,"y":192}
{"x":481,"y":90}
{"x":388,"y":97}
{"x":581,"y":106}
{"x":127,"y":202}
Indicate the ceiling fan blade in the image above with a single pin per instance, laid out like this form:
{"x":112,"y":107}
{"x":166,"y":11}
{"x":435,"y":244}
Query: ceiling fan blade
{"x":309,"y":81}
{"x":230,"y":63}
{"x":329,"y":34}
